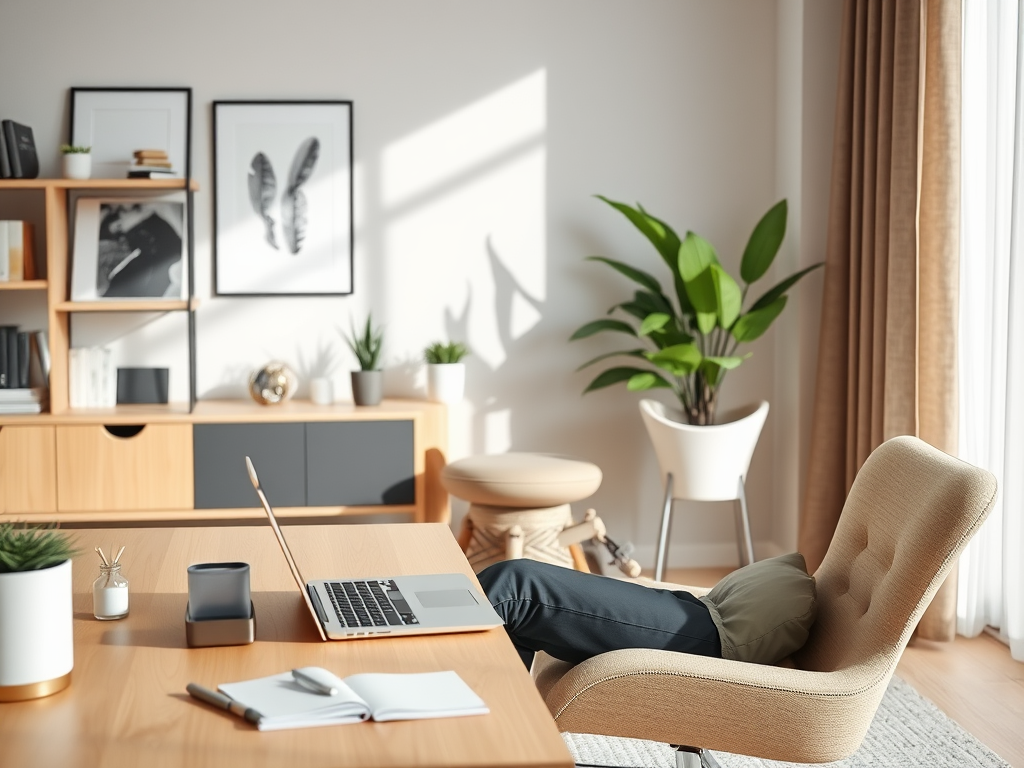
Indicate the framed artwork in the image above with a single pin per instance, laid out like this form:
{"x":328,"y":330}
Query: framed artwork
{"x":117,"y":122}
{"x":282,"y":198}
{"x":130,"y":248}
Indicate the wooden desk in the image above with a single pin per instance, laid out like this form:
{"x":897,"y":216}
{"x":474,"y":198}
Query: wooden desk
{"x":127,"y":705}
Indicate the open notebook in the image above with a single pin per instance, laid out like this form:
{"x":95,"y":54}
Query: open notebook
{"x":284,"y":703}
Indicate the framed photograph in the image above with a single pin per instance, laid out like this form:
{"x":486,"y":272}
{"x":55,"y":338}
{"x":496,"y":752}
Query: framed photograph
{"x":130,"y":248}
{"x":117,"y":122}
{"x":282,"y":198}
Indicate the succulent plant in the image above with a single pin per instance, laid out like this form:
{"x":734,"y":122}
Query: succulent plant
{"x":440,"y":353}
{"x":26,"y":548}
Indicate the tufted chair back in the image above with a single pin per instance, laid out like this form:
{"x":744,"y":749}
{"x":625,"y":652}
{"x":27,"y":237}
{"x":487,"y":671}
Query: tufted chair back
{"x":911,"y":511}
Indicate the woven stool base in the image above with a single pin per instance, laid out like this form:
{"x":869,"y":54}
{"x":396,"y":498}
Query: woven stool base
{"x":490,"y":529}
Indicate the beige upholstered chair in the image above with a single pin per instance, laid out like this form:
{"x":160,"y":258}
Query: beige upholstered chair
{"x":911,"y":511}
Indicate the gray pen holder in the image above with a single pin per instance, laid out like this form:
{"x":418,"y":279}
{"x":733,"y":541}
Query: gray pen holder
{"x":218,"y":591}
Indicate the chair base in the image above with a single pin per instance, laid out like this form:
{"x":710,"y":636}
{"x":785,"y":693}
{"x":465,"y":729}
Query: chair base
{"x":694,"y":757}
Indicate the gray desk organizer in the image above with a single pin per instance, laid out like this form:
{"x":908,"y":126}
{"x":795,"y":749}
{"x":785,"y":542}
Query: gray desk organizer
{"x":219,"y":611}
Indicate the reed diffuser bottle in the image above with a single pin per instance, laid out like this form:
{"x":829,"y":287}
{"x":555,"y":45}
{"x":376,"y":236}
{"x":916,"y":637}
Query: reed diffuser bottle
{"x":110,"y":590}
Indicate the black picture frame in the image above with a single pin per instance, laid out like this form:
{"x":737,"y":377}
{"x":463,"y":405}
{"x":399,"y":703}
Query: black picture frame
{"x":283,"y":214}
{"x":112,"y":148}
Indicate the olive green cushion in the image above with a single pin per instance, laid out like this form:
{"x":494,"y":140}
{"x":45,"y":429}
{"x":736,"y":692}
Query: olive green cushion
{"x":765,"y":610}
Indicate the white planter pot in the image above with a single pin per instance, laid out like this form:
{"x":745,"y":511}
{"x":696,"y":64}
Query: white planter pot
{"x":321,"y":390}
{"x":77,"y":166}
{"x":707,"y":461}
{"x":446,"y":382}
{"x":36,"y":632}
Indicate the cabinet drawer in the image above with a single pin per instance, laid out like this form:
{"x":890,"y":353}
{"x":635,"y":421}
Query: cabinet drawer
{"x":145,"y":467}
{"x":28,"y":470}
{"x":277,"y":451}
{"x":359,"y":463}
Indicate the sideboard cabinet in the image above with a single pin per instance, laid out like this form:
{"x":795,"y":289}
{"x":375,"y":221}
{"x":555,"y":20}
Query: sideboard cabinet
{"x":313,"y":461}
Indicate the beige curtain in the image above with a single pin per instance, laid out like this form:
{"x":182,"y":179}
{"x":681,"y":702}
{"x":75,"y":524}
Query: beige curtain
{"x":887,"y":352}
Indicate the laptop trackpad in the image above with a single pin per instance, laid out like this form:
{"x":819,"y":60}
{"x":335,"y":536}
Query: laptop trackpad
{"x":445,"y":598}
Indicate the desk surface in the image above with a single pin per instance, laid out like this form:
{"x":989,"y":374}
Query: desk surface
{"x":127,"y":705}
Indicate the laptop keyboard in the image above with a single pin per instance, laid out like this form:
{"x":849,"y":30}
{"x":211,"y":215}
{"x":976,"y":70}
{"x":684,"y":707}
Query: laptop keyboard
{"x":376,"y":603}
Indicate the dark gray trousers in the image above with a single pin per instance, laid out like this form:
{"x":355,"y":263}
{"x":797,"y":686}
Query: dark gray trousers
{"x":573,"y":616}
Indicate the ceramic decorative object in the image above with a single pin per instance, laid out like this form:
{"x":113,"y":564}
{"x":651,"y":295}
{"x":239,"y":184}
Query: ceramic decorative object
{"x":446,"y":382}
{"x":36,"y":646}
{"x":321,"y":390}
{"x":367,"y":387}
{"x":77,"y":165}
{"x":272,"y":384}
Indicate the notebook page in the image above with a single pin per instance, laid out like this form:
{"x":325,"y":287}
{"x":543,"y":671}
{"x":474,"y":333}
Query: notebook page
{"x":284,"y":703}
{"x":416,"y":696}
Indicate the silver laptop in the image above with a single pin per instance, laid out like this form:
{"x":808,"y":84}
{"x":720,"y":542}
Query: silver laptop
{"x":345,"y":609}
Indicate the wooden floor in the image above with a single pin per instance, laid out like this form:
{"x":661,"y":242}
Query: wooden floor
{"x":974,"y":681}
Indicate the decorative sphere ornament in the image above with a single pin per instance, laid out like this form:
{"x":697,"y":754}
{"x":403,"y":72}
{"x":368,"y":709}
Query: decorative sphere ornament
{"x":273,"y":383}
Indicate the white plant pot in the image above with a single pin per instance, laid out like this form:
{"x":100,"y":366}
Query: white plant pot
{"x":321,"y":390}
{"x":77,"y":165}
{"x":446,"y":382}
{"x":36,"y":632}
{"x":705,"y":461}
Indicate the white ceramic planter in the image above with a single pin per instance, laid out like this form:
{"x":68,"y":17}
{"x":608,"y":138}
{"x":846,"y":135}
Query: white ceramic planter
{"x":36,"y":632}
{"x":77,"y":165}
{"x":446,"y":382}
{"x":321,"y":390}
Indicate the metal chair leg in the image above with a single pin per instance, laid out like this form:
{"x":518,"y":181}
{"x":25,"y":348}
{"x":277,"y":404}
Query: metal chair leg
{"x":666,"y":527}
{"x":744,"y":542}
{"x":694,"y":757}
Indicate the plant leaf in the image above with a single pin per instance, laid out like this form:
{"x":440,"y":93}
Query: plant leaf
{"x":636,"y":275}
{"x":303,"y":162}
{"x":706,"y":322}
{"x":653,"y":322}
{"x":262,"y":188}
{"x":764,"y":243}
{"x":728,"y":296}
{"x":293,"y":218}
{"x":713,"y":368}
{"x":679,"y":360}
{"x":695,"y":255}
{"x":753,"y":324}
{"x":628,"y":352}
{"x":613,"y":376}
{"x":646,"y":380}
{"x":597,"y":326}
{"x":643,"y":304}
{"x":784,"y":286}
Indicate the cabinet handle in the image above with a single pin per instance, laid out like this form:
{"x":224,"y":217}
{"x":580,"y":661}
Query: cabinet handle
{"x":125,"y":431}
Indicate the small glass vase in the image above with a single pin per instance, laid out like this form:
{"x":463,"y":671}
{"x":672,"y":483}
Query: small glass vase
{"x":110,"y":593}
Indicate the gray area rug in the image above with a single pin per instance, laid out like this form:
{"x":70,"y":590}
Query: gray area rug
{"x":908,"y":732}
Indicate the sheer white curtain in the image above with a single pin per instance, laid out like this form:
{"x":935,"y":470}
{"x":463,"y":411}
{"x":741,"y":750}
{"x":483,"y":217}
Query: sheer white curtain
{"x":991,"y":344}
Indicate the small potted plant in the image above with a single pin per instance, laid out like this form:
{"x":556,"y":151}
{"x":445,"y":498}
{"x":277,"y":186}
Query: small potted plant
{"x":367,"y":382}
{"x":446,"y":374}
{"x":36,"y":628}
{"x":77,"y":161}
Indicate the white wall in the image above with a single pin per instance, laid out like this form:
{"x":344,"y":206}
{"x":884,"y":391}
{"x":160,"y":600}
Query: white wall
{"x":482,"y":130}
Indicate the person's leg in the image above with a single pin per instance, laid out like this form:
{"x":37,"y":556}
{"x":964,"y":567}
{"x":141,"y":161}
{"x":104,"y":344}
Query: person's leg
{"x":573,"y":616}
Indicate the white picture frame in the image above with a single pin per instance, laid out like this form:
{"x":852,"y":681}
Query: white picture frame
{"x":130,"y":248}
{"x":283,"y":198}
{"x":116,"y":122}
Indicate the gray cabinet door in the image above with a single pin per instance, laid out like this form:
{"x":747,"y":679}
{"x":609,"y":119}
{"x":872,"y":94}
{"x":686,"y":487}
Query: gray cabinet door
{"x":278,"y":452}
{"x":359,"y":463}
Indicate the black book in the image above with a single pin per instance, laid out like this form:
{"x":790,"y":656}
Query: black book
{"x":3,"y":358}
{"x":23,"y":359}
{"x":8,"y":376}
{"x":12,"y":356}
{"x":21,"y":150}
{"x":5,"y":161}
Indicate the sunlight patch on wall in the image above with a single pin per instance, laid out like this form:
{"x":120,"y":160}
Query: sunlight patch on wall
{"x":497,"y":431}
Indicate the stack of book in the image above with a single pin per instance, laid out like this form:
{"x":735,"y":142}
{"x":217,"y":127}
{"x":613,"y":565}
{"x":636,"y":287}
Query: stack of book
{"x":18,"y":159}
{"x":93,"y":378}
{"x":17,"y":256}
{"x":24,"y":370}
{"x":151,"y":164}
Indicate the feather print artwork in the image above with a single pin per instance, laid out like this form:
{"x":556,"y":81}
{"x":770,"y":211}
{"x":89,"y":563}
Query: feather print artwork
{"x":293,"y":202}
{"x":262,"y":187}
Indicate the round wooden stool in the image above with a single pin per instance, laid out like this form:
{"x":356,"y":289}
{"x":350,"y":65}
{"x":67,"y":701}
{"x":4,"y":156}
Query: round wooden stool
{"x":518,"y":505}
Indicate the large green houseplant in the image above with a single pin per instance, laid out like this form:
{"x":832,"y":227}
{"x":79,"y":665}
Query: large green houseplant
{"x":691,"y":339}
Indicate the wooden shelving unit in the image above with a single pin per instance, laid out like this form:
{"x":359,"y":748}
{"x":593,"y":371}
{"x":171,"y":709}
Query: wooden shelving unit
{"x":57,"y":254}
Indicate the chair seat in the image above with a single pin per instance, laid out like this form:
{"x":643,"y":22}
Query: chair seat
{"x":521,"y":480}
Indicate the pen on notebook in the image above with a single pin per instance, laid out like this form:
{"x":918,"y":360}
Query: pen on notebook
{"x":223,"y":702}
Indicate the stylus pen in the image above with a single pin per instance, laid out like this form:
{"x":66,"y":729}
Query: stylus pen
{"x":223,"y":702}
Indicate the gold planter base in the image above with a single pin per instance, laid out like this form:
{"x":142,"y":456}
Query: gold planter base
{"x":34,"y":690}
